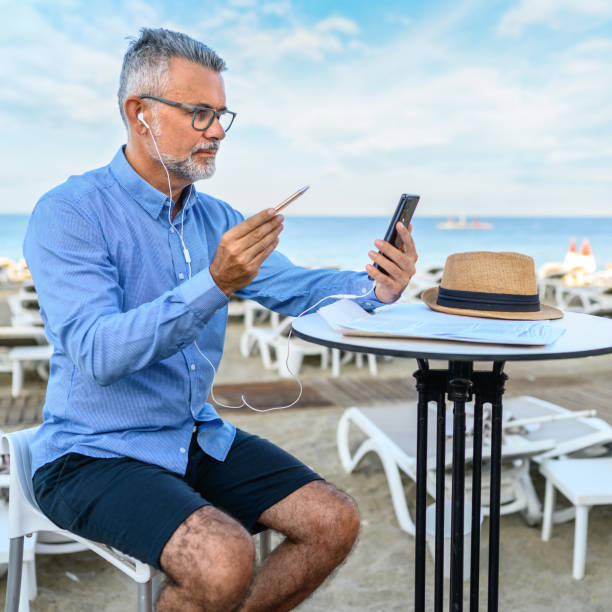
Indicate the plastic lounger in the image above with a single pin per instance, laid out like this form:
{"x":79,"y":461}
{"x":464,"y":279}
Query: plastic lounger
{"x":390,"y":432}
{"x":585,"y":483}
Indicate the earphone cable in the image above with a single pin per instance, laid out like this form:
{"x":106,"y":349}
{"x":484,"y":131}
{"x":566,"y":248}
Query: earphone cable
{"x":187,"y":257}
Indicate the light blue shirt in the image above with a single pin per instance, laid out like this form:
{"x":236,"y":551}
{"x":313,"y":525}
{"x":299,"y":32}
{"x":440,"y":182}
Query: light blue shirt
{"x":125,"y":377}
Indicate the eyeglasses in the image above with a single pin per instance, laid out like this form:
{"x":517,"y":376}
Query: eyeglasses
{"x":203,"y":116}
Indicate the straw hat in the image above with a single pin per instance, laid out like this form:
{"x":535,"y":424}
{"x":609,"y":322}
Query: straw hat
{"x":491,"y":285}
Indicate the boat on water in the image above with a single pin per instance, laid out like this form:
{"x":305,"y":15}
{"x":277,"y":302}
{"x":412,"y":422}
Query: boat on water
{"x":462,"y":223}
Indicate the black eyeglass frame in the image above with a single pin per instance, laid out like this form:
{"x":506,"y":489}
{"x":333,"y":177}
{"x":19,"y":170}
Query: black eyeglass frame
{"x":195,"y":110}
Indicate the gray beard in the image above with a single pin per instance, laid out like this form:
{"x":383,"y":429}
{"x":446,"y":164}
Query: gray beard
{"x":188,"y":168}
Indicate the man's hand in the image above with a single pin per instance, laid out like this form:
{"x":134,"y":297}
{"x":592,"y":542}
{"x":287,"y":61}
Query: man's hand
{"x":398,"y":263}
{"x":243,"y":249}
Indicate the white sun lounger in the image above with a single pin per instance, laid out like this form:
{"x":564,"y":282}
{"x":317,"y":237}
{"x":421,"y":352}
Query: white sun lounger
{"x":585,"y":483}
{"x":390,"y":432}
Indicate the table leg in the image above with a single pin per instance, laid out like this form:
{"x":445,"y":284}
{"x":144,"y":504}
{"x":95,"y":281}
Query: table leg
{"x":440,"y":486}
{"x":476,"y":483}
{"x":460,"y":385}
{"x":460,"y":381}
{"x":421,"y":486}
{"x":494,"y":504}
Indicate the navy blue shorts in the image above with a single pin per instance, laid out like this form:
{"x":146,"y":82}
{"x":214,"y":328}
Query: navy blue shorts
{"x":136,"y":507}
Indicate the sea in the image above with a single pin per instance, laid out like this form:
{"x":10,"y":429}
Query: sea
{"x":344,"y":242}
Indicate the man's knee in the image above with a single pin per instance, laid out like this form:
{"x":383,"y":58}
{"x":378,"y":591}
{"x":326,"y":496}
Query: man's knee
{"x":344,"y":527}
{"x":333,"y":520}
{"x":212,"y":556}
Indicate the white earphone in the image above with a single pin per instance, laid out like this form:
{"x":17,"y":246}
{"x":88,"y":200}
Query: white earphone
{"x":142,"y":120}
{"x":187,"y":256}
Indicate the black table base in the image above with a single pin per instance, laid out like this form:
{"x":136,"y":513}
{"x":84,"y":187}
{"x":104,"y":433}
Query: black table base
{"x":460,"y":382}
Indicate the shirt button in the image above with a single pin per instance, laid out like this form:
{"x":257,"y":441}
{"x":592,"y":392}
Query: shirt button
{"x":363,"y":291}
{"x":182,"y":450}
{"x":172,"y":230}
{"x":181,"y":275}
{"x":368,"y":304}
{"x":193,"y":366}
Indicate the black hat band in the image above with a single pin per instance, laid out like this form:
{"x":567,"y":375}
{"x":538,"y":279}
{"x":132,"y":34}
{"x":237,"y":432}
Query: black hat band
{"x":480,"y":300}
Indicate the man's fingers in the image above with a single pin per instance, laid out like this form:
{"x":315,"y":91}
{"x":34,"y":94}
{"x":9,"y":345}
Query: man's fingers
{"x":403,"y":257}
{"x":391,"y":252}
{"x":407,"y":241}
{"x":258,"y":233}
{"x":398,"y":263}
{"x":248,"y":225}
{"x":255,"y":250}
{"x":267,"y":251}
{"x":264,"y":253}
{"x":273,"y":226}
{"x":385,"y":263}
{"x":381,"y":278}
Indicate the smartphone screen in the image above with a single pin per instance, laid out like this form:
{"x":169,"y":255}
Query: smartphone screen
{"x":403,"y":213}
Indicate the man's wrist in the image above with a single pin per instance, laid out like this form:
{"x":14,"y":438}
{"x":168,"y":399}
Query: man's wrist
{"x":202,"y":295}
{"x":221,"y":286}
{"x":383,"y":297}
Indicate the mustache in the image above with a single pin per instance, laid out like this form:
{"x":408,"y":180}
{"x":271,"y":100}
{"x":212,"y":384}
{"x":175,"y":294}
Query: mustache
{"x":207,"y":146}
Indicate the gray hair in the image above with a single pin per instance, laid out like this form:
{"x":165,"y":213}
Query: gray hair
{"x":145,"y":64}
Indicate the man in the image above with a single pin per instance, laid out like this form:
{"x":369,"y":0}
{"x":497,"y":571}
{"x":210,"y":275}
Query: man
{"x":134,"y":269}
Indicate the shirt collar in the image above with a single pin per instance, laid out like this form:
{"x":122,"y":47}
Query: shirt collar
{"x":151,"y":199}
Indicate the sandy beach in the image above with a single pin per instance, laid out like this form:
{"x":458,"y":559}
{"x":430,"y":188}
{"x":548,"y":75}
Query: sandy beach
{"x":378,"y":576}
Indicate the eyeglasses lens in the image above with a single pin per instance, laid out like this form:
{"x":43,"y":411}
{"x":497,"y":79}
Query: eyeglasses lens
{"x":205,"y":117}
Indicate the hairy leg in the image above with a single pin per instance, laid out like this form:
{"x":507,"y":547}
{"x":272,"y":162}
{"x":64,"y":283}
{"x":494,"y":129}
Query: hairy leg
{"x":209,"y":562}
{"x":320,"y":524}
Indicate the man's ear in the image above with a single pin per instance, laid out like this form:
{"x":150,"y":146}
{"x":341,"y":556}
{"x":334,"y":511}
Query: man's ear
{"x":134,"y":107}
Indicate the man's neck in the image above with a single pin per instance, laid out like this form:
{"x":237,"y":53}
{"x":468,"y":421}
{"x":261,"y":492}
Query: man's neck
{"x":153,"y":172}
{"x":180,"y":202}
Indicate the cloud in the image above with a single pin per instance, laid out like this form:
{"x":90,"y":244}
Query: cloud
{"x":550,"y":13}
{"x":55,"y":75}
{"x":320,"y":101}
{"x":414,"y":111}
{"x":337,"y":24}
{"x":246,"y":36}
{"x":280,"y":9}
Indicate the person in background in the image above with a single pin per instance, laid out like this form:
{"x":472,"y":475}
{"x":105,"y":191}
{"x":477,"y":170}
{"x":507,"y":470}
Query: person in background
{"x":134,"y":268}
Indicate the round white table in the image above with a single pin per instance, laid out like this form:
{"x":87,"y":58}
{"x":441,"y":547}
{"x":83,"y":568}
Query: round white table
{"x":584,"y":336}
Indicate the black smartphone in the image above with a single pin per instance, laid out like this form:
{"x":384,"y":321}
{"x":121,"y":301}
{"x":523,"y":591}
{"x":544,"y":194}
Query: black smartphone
{"x":404,"y":211}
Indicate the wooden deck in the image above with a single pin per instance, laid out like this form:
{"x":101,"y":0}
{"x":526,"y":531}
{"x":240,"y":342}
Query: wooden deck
{"x":574,"y":384}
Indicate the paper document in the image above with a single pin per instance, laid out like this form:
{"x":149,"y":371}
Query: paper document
{"x":408,"y":320}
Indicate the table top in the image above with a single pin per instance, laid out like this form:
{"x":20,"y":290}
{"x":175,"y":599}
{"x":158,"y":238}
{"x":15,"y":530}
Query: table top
{"x":585,"y":335}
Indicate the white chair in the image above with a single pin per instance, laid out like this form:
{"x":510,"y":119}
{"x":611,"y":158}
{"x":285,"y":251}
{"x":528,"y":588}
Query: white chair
{"x":28,"y":580}
{"x":268,"y":340}
{"x":236,"y":307}
{"x":272,"y":343}
{"x":25,"y":519}
{"x":21,"y":311}
{"x":16,"y":334}
{"x":339,"y":360}
{"x":390,"y":432}
{"x":15,"y":357}
{"x":253,"y":312}
{"x":25,"y":356}
{"x":585,"y":483}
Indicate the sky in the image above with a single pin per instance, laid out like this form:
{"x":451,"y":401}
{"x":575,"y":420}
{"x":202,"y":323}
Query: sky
{"x":483,"y":107}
